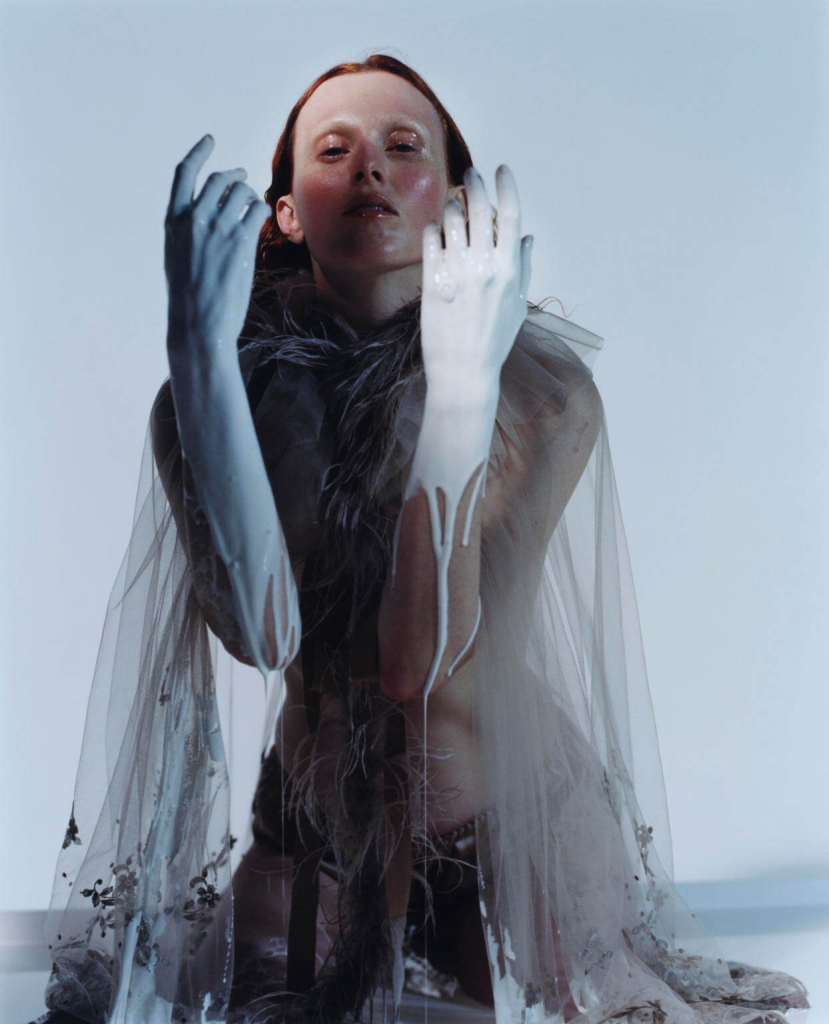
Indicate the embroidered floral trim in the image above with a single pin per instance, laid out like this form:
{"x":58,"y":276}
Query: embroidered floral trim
{"x":116,"y":903}
{"x":593,"y":954}
{"x":650,"y":1012}
{"x":72,"y":835}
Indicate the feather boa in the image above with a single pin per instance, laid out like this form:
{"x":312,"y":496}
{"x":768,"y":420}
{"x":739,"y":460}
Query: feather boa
{"x":360,"y":376}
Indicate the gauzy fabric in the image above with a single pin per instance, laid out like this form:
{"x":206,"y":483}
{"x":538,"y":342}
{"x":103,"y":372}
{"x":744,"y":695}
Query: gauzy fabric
{"x":572,"y":832}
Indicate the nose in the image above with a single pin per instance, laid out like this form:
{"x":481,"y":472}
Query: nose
{"x":369,"y":163}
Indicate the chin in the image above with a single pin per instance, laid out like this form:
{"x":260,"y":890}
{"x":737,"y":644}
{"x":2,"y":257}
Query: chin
{"x":366,"y":260}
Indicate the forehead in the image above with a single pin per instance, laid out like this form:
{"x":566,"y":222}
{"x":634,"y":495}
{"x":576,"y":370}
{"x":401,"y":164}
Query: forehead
{"x":366,"y":100}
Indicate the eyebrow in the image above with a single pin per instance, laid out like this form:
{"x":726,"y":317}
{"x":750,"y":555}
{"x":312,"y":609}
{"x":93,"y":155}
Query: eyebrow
{"x":392,"y":124}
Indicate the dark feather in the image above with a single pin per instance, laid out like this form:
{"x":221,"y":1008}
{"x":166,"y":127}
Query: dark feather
{"x":361,"y":376}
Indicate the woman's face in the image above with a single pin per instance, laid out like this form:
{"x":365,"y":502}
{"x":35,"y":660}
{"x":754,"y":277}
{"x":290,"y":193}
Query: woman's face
{"x":366,"y":139}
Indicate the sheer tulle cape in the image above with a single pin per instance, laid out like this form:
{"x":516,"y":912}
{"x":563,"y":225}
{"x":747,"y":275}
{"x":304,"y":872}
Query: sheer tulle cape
{"x":573,"y":832}
{"x":572,"y":827}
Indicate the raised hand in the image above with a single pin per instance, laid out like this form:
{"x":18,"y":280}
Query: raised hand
{"x":474,"y":294}
{"x":472,"y":307}
{"x":209,"y":251}
{"x":209,"y":259}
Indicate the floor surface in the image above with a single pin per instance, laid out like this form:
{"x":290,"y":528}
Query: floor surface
{"x":794,"y":940}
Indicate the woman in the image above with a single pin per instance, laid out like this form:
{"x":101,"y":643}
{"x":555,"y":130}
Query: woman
{"x":405,"y":501}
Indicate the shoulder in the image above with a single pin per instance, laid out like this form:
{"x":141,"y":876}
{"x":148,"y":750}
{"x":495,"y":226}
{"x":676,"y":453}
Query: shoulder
{"x":575,"y":435}
{"x":584,"y":405}
{"x":547,"y":386}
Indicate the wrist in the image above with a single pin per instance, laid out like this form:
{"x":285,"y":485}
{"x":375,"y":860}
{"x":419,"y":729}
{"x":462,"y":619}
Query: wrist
{"x":455,"y":438}
{"x":189,"y":342}
{"x":197,"y":357}
{"x":467,"y":398}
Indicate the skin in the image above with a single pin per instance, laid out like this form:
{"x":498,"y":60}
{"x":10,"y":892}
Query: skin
{"x":376,"y":132}
{"x":387,"y":139}
{"x":371,"y":132}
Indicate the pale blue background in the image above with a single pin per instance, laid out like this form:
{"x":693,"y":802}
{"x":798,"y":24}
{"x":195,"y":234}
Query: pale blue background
{"x":672,"y":163}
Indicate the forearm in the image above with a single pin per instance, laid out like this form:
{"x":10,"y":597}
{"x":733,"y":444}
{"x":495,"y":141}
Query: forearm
{"x":219,"y":442}
{"x":429,"y":611}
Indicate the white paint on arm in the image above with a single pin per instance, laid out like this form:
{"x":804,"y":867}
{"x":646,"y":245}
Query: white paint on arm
{"x":452,"y":451}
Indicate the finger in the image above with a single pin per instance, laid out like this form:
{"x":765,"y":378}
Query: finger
{"x":431,"y":255}
{"x":236,"y":198}
{"x":184,"y":179}
{"x":509,"y":213}
{"x":526,"y":265}
{"x":250,"y":226}
{"x":480,"y":214}
{"x":255,"y":216}
{"x":207,"y":202}
{"x":454,"y":230}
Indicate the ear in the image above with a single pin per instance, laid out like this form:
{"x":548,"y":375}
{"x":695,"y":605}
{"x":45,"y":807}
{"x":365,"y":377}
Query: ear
{"x":458,"y":193}
{"x":287,"y":220}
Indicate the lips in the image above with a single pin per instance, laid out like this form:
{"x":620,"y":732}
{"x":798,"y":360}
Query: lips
{"x":371,"y":202}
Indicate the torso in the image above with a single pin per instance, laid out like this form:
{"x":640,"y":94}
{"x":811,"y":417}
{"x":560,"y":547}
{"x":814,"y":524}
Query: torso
{"x":449,"y":728}
{"x":449,"y":719}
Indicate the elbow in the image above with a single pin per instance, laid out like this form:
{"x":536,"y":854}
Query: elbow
{"x":237,"y":649}
{"x":237,"y":652}
{"x":406,"y":681}
{"x":405,"y":686}
{"x":397,"y":688}
{"x":397,"y":679}
{"x":402,"y":675}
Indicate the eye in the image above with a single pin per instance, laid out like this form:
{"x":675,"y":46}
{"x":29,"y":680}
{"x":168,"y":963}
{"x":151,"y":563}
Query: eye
{"x":332,"y":150}
{"x":403,"y":145}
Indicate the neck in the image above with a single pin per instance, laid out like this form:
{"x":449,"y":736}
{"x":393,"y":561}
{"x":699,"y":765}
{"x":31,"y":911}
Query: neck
{"x":366,"y":298}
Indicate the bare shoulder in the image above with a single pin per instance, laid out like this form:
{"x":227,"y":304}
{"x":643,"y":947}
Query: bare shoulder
{"x":565,"y":426}
{"x":536,"y":477}
{"x":585,"y":400}
{"x":581,"y":418}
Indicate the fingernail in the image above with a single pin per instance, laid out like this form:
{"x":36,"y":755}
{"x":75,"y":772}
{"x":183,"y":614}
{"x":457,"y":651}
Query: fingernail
{"x":209,"y":136}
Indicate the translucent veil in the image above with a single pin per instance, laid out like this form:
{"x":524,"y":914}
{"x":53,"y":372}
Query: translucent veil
{"x":574,"y":845}
{"x":574,"y":850}
{"x":127,"y":944}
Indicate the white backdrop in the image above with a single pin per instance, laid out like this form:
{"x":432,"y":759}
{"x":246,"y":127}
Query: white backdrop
{"x":672,"y":164}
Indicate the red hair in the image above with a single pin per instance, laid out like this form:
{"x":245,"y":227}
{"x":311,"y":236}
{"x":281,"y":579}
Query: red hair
{"x":274,"y":250}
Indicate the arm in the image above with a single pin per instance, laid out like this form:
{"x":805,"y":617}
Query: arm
{"x":472,"y":306}
{"x":210,"y":576}
{"x":544,"y":471}
{"x":408,"y":617}
{"x":209,"y":255}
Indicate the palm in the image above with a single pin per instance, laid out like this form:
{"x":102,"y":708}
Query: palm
{"x":474,"y":293}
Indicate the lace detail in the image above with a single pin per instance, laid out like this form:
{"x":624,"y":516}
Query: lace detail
{"x":90,"y":978}
{"x":573,"y":856}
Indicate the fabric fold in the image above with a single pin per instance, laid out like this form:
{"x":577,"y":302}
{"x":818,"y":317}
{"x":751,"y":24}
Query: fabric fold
{"x":575,"y":872}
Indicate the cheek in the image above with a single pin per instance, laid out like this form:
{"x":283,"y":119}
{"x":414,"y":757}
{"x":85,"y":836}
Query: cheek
{"x":427,"y":193}
{"x":318,"y":199}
